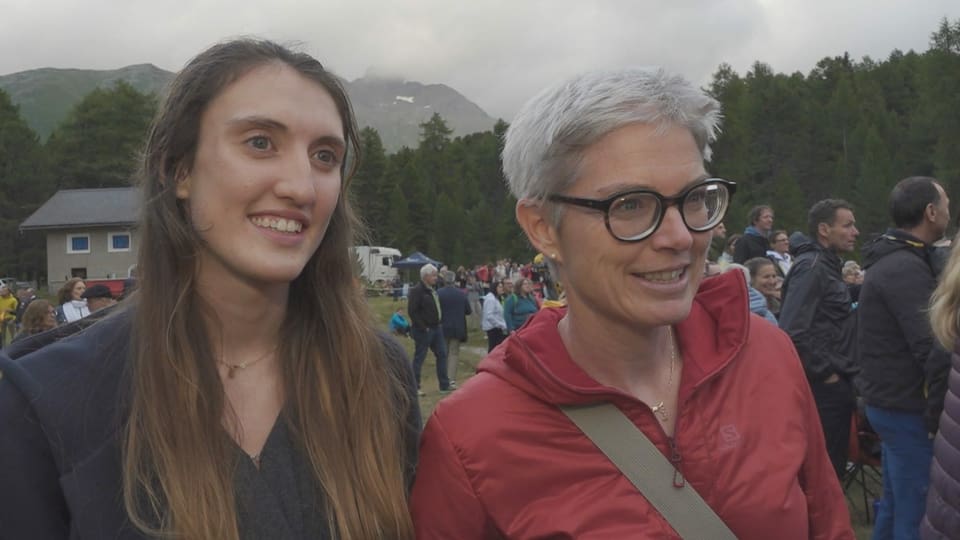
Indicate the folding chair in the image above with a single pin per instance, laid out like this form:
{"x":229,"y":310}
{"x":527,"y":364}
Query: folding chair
{"x":863,"y":463}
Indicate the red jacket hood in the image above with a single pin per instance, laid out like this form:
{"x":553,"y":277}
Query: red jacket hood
{"x":535,"y":360}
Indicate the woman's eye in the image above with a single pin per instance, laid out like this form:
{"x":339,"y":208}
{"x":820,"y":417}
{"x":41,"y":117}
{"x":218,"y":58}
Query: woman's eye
{"x":326,"y":156}
{"x":259,"y":142}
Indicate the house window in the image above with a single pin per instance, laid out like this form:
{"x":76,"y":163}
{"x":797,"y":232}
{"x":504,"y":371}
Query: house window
{"x":118,"y":242}
{"x":78,"y":243}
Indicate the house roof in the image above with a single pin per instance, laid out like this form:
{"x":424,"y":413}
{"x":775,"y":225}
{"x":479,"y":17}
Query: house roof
{"x":70,"y":208}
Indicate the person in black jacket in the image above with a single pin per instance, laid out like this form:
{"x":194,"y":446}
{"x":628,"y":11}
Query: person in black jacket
{"x":755,"y":240}
{"x":903,"y":373}
{"x":423,"y":305}
{"x":818,"y":315}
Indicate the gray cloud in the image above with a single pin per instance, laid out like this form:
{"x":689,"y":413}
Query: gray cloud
{"x":498,"y":53}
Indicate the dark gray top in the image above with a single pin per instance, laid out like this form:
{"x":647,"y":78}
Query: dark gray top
{"x":279,"y":500}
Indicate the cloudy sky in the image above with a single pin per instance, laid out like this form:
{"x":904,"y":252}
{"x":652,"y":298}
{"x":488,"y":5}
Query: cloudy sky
{"x":496,"y":52}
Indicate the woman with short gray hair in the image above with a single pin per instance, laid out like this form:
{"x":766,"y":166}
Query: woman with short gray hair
{"x":608,"y":169}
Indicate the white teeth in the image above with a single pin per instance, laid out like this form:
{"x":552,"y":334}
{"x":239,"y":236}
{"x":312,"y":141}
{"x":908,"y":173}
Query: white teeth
{"x":278,"y":224}
{"x":662,"y":276}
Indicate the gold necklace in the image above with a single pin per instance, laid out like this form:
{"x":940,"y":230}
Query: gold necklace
{"x":660,"y":409}
{"x":244,"y":365}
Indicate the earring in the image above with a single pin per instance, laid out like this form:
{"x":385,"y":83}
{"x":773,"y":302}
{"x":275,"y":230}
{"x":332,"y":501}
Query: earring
{"x":553,"y":256}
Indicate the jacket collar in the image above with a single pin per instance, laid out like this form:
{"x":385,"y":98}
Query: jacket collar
{"x":535,"y":360}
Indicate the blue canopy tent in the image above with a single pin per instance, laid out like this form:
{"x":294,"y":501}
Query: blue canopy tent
{"x":415,"y":260}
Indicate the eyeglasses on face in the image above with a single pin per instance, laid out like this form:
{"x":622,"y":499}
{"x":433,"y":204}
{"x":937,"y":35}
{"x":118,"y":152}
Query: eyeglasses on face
{"x":634,"y":215}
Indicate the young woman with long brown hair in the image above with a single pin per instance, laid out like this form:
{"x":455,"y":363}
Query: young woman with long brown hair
{"x":244,"y":393}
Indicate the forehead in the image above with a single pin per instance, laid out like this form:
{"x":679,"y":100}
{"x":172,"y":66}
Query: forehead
{"x":277,"y":92}
{"x":843,"y":216}
{"x":766,"y":212}
{"x":661,"y":158}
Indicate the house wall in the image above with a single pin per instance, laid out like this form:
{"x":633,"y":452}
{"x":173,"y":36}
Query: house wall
{"x":100,"y":262}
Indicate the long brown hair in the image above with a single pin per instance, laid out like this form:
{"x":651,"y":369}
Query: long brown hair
{"x":36,"y":318}
{"x":178,"y":461}
{"x":65,"y":294}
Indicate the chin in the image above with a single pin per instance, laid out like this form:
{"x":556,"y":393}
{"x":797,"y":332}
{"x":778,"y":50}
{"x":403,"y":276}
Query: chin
{"x":660,"y":313}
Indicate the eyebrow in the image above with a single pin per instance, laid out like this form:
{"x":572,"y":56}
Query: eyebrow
{"x":625,"y":187}
{"x":263,"y":122}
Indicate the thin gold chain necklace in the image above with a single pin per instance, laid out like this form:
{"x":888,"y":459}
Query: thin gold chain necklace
{"x":660,"y":409}
{"x":244,"y":365}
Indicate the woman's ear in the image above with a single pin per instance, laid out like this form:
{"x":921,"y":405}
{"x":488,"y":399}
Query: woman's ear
{"x":533,"y":217}
{"x":182,"y":182}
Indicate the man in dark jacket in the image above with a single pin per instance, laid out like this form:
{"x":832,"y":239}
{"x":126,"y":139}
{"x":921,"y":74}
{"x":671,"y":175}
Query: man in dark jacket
{"x":755,"y":240}
{"x":903,"y":374}
{"x":818,"y":315}
{"x":424,"y":309}
{"x":454,"y":309}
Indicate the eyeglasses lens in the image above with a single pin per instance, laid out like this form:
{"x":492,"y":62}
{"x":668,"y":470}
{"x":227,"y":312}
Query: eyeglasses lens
{"x":636,"y":215}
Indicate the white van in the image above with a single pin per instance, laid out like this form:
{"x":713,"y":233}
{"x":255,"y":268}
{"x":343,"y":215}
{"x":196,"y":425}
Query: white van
{"x":376,"y":263}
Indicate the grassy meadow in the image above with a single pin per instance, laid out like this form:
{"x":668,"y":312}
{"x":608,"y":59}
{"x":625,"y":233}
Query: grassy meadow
{"x":471,"y":352}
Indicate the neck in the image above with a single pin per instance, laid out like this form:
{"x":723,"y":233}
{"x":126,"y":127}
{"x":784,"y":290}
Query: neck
{"x":923,"y":233}
{"x":826,"y":245}
{"x":626,"y":357}
{"x":245,"y":318}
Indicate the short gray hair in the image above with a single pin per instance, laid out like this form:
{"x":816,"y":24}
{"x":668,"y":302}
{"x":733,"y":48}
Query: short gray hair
{"x":545,"y":142}
{"x":427,"y":269}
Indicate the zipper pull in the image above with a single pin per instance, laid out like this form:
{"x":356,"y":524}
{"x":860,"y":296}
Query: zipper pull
{"x":675,"y":459}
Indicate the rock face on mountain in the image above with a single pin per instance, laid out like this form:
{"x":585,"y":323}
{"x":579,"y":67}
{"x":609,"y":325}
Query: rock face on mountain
{"x":394,"y":107}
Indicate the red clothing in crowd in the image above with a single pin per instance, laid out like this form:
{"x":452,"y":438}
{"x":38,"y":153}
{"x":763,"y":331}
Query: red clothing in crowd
{"x":499,"y":460}
{"x":483,"y":275}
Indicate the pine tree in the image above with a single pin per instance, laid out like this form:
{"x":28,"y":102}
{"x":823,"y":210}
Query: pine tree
{"x":24,"y":186}
{"x":369,"y":190}
{"x":97,"y":145}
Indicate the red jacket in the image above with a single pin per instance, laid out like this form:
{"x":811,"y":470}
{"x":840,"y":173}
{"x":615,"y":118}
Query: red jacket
{"x":499,"y":460}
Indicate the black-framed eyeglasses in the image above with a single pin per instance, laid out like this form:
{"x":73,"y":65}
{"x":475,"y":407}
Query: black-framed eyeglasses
{"x":632,"y":216}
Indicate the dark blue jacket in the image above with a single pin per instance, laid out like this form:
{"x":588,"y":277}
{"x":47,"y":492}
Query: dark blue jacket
{"x":454,"y":309}
{"x":59,"y":453}
{"x":62,"y":410}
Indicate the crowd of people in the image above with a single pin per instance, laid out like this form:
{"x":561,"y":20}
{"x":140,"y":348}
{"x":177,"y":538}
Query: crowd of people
{"x":245,"y":391}
{"x":25,"y":314}
{"x":864,"y":336}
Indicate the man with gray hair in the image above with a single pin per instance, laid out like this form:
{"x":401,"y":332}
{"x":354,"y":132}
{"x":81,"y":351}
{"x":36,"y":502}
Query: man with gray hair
{"x":423,"y":305}
{"x":903,"y":372}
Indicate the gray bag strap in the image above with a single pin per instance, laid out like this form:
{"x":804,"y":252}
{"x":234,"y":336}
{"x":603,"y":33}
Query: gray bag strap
{"x":648,"y":470}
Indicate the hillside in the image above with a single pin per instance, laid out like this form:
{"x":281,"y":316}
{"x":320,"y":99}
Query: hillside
{"x":395,"y":108}
{"x":46,"y":95}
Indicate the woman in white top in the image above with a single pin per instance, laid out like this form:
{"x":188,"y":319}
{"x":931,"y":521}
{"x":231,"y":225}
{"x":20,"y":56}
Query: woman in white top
{"x":72,"y":305}
{"x":493,"y":322}
{"x":779,"y":252}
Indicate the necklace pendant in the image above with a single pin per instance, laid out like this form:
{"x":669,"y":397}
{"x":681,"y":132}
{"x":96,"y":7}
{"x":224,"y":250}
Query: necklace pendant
{"x":660,"y":411}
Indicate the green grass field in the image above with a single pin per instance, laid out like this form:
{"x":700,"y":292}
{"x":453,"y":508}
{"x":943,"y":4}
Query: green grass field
{"x":471,"y":352}
{"x":474,"y":350}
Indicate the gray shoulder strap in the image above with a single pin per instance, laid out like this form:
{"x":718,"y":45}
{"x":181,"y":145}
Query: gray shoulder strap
{"x":649,"y":471}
